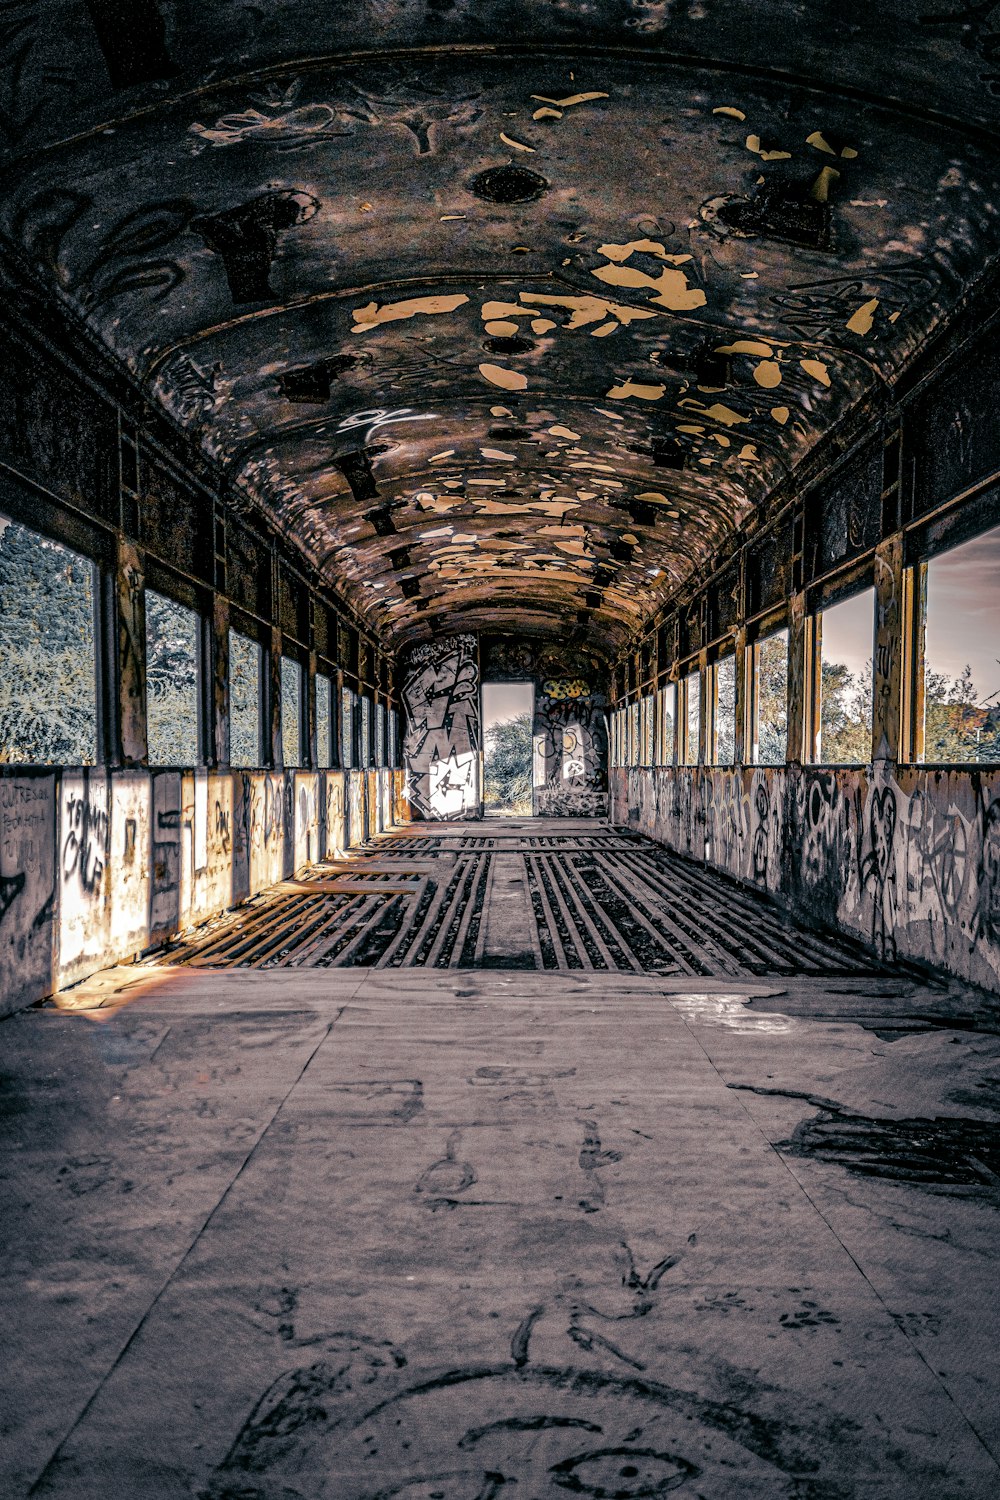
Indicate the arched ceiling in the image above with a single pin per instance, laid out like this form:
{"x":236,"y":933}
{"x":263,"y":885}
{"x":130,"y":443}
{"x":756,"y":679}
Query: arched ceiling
{"x":507,"y":313}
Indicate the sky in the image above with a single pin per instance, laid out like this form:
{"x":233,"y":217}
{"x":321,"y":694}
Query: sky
{"x":505,"y":700}
{"x":963,"y":611}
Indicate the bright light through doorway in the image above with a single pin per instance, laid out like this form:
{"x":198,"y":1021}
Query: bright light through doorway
{"x":508,"y":715}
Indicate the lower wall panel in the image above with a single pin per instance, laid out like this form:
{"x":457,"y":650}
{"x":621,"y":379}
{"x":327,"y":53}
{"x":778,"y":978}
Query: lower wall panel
{"x":97,"y":866}
{"x":906,"y":859}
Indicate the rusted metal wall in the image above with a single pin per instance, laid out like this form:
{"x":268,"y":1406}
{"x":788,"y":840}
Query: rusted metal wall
{"x":907,"y":860}
{"x":97,"y":866}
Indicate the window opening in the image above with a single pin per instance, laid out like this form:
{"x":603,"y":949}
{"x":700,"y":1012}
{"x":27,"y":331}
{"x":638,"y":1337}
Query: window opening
{"x":48,"y":651}
{"x":172,"y":682}
{"x":347,"y":728}
{"x":245,"y":681}
{"x":324,"y":721}
{"x":692,"y":727}
{"x":725,"y":711}
{"x":291,"y":712}
{"x":961,"y":670}
{"x":770,"y":699}
{"x":666,"y":724}
{"x":845,"y":633}
{"x":512,"y":763}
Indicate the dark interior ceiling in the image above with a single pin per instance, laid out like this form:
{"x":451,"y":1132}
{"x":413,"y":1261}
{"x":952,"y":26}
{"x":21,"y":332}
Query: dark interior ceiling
{"x":507,"y":313}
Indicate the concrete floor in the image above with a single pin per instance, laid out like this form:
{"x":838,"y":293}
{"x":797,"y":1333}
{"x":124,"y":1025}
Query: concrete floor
{"x":458,"y":1235}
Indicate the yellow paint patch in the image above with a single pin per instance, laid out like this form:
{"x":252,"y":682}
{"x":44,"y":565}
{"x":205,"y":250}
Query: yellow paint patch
{"x":893,"y":316}
{"x":445,"y":218}
{"x":571,"y":99}
{"x":492,"y":484}
{"x":499,"y":455}
{"x":748,"y":453}
{"x":861,"y":321}
{"x":542,"y":325}
{"x":500,"y":411}
{"x":586,"y":310}
{"x":692,"y":431}
{"x":820,"y":189}
{"x":729,"y":109}
{"x":817,"y":369}
{"x":509,"y":140}
{"x":372,"y":315}
{"x":767,"y":374}
{"x":722,"y":440}
{"x":749,"y":275}
{"x":653,"y":496}
{"x":818,"y":140}
{"x":754,"y":145}
{"x":492,"y":310}
{"x":780,"y":414}
{"x":634,"y":388}
{"x":436,"y":457}
{"x":671,"y":286}
{"x":747,"y":346}
{"x":545,"y":113}
{"x":716,"y":413}
{"x":604,"y":330}
{"x":597,"y":468}
{"x":501,"y":327}
{"x":564,"y":432}
{"x":507,"y":380}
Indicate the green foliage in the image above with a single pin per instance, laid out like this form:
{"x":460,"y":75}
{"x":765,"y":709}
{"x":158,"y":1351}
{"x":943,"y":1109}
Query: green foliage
{"x":957,"y":728}
{"x":845,"y":715}
{"x":772,"y":700}
{"x":507,"y":766}
{"x":48,"y":683}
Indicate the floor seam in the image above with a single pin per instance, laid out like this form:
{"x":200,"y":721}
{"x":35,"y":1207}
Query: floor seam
{"x":94,"y":1395}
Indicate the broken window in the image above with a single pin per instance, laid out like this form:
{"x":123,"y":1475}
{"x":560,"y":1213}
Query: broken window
{"x":770,"y":699}
{"x":291,"y":712}
{"x":48,"y":644}
{"x":692,"y":717}
{"x":961,"y":670}
{"x":844,"y":635}
{"x":245,"y":677}
{"x":724,"y":674}
{"x":347,"y":728}
{"x":172,"y":681}
{"x":324,"y":721}
{"x":666,"y":724}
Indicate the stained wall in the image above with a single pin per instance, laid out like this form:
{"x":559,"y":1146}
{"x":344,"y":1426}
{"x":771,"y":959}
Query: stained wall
{"x":98,"y":866}
{"x":908,"y":861}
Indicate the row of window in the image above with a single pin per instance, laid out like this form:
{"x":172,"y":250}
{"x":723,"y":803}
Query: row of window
{"x":49,"y":677}
{"x":953,"y":681}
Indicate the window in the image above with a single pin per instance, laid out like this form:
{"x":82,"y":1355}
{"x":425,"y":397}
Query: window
{"x":172,"y":682}
{"x":347,"y":728}
{"x":291,"y":712}
{"x":961,"y":673}
{"x":725,"y":711}
{"x":770,"y":700}
{"x":366,"y":732}
{"x":666,"y":721}
{"x":48,"y":646}
{"x":324,"y":721}
{"x":633,"y":734}
{"x":845,"y":637}
{"x":692,"y":718}
{"x":245,"y":668}
{"x":380,"y":759}
{"x":646,"y":730}
{"x":392,"y":738}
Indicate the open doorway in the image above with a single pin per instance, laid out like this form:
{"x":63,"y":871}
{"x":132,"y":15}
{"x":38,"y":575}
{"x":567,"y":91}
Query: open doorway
{"x":508,"y":716}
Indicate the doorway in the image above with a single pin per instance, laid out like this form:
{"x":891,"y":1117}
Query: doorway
{"x":508,"y":718}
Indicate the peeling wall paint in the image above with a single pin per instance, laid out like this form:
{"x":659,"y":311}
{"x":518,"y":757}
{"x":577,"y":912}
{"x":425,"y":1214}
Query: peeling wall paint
{"x":908,"y":862}
{"x":96,"y":867}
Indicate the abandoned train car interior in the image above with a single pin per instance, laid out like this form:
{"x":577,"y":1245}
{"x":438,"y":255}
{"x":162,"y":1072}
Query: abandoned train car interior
{"x":500,"y":749}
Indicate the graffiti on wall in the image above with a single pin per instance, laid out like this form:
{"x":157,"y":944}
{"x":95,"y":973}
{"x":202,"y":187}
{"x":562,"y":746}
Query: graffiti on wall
{"x":442,"y":736}
{"x":571,"y":733}
{"x":909,"y":863}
